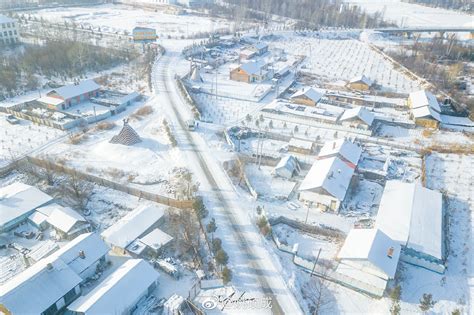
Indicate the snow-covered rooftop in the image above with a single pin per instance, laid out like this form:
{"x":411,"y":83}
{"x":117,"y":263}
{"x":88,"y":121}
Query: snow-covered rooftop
{"x":63,"y":218}
{"x":118,"y":293}
{"x":309,"y":92}
{"x":413,"y":216}
{"x":252,"y":67}
{"x":90,"y":244}
{"x":425,"y":111}
{"x":362,"y":79}
{"x":156,"y":239}
{"x":36,"y":288}
{"x":424,"y":98}
{"x":73,"y":90}
{"x":288,"y":162}
{"x":302,"y":144}
{"x":358,"y":112}
{"x":50,"y":100}
{"x":343,"y":148}
{"x":5,"y":19}
{"x":331,"y":174}
{"x":132,"y":226}
{"x":19,"y":199}
{"x":372,"y":245}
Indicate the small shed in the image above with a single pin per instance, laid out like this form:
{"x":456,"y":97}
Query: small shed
{"x":287,"y":167}
{"x":361,"y":83}
{"x":425,"y":108}
{"x":301,"y":146}
{"x":357,"y":117}
{"x":306,"y":96}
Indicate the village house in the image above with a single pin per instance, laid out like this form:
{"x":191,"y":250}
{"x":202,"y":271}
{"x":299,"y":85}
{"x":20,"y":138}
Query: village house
{"x":369,"y":256}
{"x":413,"y":216}
{"x":9,"y":33}
{"x":120,"y":292}
{"x":69,"y":95}
{"x":54,"y":282}
{"x":287,"y":167}
{"x":246,"y":54}
{"x":250,"y":72}
{"x":126,"y":236}
{"x":301,"y":146}
{"x":361,"y":83}
{"x":326,"y":184}
{"x":357,"y":117}
{"x":425,"y":109}
{"x":343,"y":149}
{"x":17,"y":202}
{"x":306,"y":96}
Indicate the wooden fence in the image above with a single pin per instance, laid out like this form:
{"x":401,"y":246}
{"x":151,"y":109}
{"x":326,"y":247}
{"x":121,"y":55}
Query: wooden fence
{"x":182,"y":204}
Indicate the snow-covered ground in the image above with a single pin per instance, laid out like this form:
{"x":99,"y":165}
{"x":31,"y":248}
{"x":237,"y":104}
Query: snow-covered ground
{"x":114,"y":18}
{"x":412,"y":15}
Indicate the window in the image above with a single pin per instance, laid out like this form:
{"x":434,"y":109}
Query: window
{"x":69,"y":297}
{"x":50,"y":310}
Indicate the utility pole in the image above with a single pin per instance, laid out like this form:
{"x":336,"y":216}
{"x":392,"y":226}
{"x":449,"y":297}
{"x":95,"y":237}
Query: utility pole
{"x":315,"y":262}
{"x":307,"y":212}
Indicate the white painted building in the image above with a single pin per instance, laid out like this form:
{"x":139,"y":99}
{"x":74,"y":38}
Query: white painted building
{"x":369,"y":256}
{"x":120,"y":292}
{"x":413,"y":216}
{"x":9,"y":31}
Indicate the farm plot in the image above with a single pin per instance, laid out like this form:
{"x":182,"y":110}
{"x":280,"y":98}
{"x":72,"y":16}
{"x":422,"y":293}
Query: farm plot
{"x":119,"y":18}
{"x":334,"y":60}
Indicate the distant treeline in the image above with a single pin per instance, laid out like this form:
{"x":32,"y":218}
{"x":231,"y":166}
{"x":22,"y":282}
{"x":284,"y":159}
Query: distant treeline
{"x":464,"y":5}
{"x":310,"y":13}
{"x":62,"y":59}
{"x":10,"y":4}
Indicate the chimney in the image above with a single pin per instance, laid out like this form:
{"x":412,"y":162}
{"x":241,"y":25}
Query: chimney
{"x":49,"y":266}
{"x":82,"y":254}
{"x":390,"y":252}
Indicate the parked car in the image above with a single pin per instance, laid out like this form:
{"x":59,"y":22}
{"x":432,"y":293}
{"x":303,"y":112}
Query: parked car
{"x":12,"y":120}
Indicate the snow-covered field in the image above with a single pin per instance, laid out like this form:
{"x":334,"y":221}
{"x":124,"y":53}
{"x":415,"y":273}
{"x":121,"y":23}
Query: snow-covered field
{"x":16,"y":140}
{"x":344,"y":59}
{"x":113,"y":18}
{"x":411,"y":15}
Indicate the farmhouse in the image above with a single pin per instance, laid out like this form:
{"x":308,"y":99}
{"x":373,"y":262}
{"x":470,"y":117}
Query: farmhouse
{"x":413,"y":216}
{"x":358,"y":117}
{"x":143,"y":34}
{"x":53,"y":283}
{"x":369,"y":256}
{"x":301,"y":146}
{"x":134,"y":225}
{"x":17,"y":202}
{"x":120,"y":292}
{"x":361,"y":83}
{"x":252,"y":71}
{"x":287,"y":167}
{"x":343,"y":149}
{"x":246,"y":54}
{"x":425,"y":108}
{"x":69,"y":95}
{"x":306,"y":96}
{"x":326,"y":183}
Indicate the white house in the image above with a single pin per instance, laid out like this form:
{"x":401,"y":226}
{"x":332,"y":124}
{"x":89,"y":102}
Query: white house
{"x":369,"y":256}
{"x":342,"y":148}
{"x":9,"y":33}
{"x":120,"y":292}
{"x":326,"y":184}
{"x":135,"y":224}
{"x":17,"y":202}
{"x":287,"y":167}
{"x":413,"y":216}
{"x":357,"y":117}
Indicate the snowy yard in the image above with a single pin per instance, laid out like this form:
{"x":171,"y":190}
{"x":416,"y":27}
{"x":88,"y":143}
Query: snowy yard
{"x":23,"y":138}
{"x":120,"y":18}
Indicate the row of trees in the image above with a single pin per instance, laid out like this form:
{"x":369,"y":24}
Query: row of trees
{"x":60,"y":59}
{"x":310,"y":13}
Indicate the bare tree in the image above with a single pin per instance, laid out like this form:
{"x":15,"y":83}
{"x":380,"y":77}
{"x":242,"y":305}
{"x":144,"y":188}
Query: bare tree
{"x":78,"y":189}
{"x":316,"y":292}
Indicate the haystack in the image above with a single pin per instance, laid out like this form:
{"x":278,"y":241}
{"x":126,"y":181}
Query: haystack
{"x":126,"y":136}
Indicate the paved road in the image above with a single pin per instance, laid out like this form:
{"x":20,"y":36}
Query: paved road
{"x":248,"y":255}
